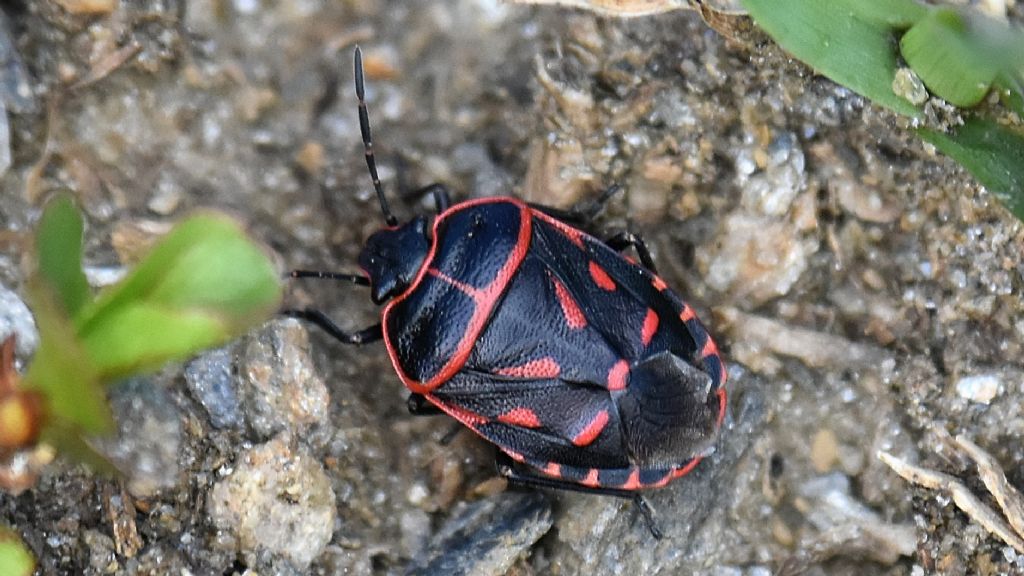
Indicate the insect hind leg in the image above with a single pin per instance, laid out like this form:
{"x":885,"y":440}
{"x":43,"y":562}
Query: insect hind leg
{"x":518,"y":476}
{"x":625,"y":239}
{"x":581,"y":215}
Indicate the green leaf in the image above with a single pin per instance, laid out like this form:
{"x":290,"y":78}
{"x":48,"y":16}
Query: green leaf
{"x":993,"y":153}
{"x":203,"y":284}
{"x":61,"y":370}
{"x":940,"y":51}
{"x":891,"y":13}
{"x":839,"y":41}
{"x":142,"y":336}
{"x":59,"y":248}
{"x":1011,"y":93}
{"x":15,"y":558}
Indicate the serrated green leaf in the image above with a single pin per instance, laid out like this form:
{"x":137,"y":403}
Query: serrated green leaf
{"x":59,"y":249}
{"x":61,"y":369}
{"x":203,"y":284}
{"x":15,"y":557}
{"x":838,"y":42}
{"x":993,"y":153}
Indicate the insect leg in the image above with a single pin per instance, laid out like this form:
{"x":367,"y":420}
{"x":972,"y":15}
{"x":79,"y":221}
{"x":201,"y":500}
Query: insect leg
{"x":357,"y":279}
{"x":518,"y":476}
{"x":581,"y":216}
{"x":418,"y":406}
{"x":624,"y":240}
{"x":366,"y":335}
{"x":440,"y":192}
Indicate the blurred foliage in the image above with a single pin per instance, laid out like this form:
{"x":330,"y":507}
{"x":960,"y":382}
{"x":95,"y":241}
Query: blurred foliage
{"x":200,"y":286}
{"x":960,"y":55}
{"x":15,"y":558}
{"x":993,"y":153}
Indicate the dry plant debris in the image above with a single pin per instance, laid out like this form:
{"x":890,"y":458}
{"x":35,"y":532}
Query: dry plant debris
{"x":1009,"y":527}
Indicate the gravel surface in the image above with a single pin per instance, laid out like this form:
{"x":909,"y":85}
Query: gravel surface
{"x":865,"y":291}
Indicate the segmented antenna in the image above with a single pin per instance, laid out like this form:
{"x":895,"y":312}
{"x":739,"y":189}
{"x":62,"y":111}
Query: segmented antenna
{"x":364,"y":128}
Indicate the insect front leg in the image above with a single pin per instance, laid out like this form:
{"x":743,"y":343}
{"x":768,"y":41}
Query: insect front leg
{"x":440,"y":193}
{"x":364,"y":336}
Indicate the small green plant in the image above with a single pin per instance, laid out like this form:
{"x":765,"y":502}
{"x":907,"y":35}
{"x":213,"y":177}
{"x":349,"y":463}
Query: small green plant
{"x":201,"y":285}
{"x":15,"y":558}
{"x":959,"y":55}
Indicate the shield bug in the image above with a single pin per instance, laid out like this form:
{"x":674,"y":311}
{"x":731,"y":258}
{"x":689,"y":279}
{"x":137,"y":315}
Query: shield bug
{"x":584,"y":369}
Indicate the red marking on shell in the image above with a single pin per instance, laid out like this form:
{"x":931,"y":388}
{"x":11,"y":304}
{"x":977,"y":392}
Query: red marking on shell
{"x":687,"y":314}
{"x":710,"y":349}
{"x":592,"y":430}
{"x":617,"y":375}
{"x":659,"y":284}
{"x":514,"y":455}
{"x":650,"y":327}
{"x":471,"y":419}
{"x":600,"y":277}
{"x":633,"y":482}
{"x":523,"y":417}
{"x":570,"y":309}
{"x":533,"y":370}
{"x":678,"y":472}
{"x":723,"y":402}
{"x":591,"y":478}
{"x":553,"y":469}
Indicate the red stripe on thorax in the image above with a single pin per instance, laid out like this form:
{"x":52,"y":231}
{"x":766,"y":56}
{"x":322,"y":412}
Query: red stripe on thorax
{"x":484,"y":299}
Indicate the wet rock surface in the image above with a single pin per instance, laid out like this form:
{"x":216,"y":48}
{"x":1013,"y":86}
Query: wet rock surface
{"x":865,"y":291}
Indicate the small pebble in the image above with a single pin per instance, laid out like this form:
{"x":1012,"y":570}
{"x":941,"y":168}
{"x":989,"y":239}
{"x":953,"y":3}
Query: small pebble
{"x":908,"y":86}
{"x":280,"y":389}
{"x":824,"y":450}
{"x":277,"y":500}
{"x":211,"y":381}
{"x":981,"y":388}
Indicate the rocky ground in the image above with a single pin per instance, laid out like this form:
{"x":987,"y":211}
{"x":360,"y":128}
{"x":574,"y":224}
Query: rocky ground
{"x":865,"y":290}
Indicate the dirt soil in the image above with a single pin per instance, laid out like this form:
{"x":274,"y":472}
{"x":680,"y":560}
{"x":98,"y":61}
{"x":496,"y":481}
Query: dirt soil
{"x":865,"y":290}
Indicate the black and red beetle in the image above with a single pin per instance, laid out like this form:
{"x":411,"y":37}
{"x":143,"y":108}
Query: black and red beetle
{"x":584,"y":368}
